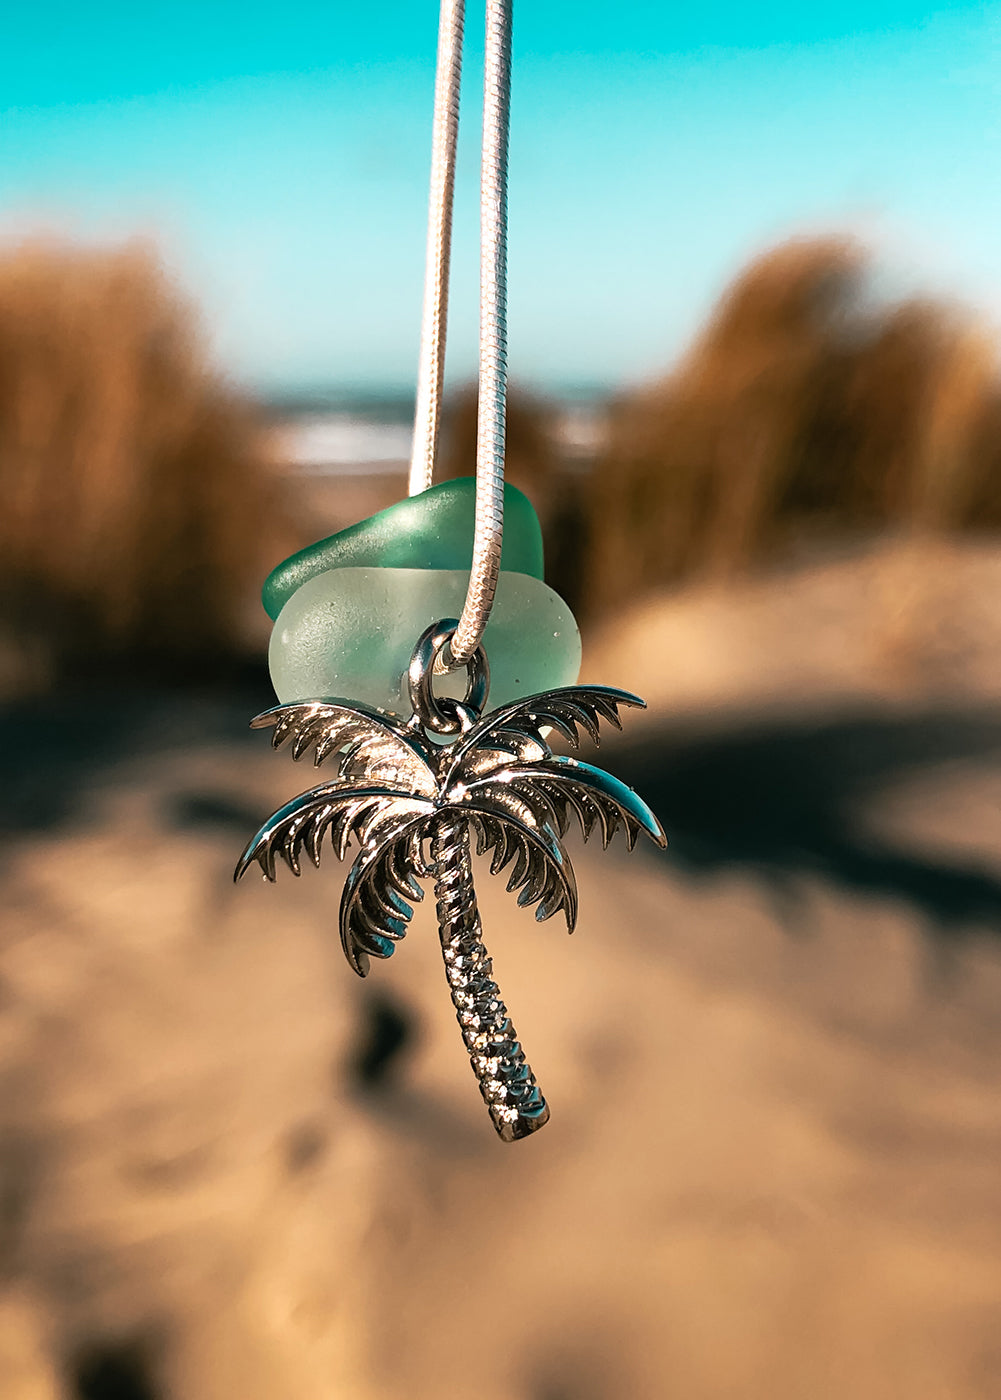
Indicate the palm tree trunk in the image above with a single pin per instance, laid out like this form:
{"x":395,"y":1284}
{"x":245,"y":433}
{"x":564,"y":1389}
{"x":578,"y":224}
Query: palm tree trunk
{"x":506,"y":1081}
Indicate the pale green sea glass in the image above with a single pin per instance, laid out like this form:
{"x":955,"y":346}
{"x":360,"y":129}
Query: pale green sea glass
{"x":433,"y":530}
{"x":350,"y":632}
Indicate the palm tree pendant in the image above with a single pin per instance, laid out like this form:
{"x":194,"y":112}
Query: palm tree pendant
{"x":409,"y":794}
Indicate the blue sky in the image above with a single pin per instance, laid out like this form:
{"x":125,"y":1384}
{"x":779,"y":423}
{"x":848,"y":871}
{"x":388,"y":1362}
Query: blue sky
{"x":279,"y":157}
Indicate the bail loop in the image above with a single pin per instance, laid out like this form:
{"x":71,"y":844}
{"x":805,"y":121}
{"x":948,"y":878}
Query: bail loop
{"x":440,"y":715}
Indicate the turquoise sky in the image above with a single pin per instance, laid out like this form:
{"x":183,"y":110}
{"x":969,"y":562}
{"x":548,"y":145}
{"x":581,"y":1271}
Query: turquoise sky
{"x":279,"y":156}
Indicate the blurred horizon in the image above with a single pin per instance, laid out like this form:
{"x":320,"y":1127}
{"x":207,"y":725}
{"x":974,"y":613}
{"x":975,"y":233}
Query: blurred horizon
{"x":281,"y":168}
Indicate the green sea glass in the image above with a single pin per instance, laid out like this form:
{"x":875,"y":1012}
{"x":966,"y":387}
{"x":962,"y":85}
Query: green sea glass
{"x":350,"y":633}
{"x":433,"y":530}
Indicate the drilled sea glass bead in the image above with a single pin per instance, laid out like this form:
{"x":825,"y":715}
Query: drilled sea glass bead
{"x":349,"y":633}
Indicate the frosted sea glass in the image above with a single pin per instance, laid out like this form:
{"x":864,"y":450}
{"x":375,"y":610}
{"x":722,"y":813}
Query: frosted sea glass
{"x":433,"y":530}
{"x":350,"y":632}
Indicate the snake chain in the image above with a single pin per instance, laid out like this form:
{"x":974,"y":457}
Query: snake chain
{"x":444,"y":136}
{"x":492,"y":399}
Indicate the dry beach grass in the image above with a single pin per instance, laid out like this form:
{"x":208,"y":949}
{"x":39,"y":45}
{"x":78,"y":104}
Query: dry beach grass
{"x":808,"y":409}
{"x":140,"y":506}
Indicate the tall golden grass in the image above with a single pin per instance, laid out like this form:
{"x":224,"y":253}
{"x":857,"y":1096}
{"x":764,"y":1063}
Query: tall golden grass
{"x":804,"y":408}
{"x":135,"y":486}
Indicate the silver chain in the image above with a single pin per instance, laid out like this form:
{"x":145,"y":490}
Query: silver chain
{"x":492,"y":401}
{"x":434,"y":323}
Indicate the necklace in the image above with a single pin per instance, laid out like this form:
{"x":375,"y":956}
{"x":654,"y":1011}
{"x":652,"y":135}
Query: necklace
{"x":412,"y":790}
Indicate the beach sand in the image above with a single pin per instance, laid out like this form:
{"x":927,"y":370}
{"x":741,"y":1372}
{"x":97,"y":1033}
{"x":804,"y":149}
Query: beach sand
{"x":232,"y":1171}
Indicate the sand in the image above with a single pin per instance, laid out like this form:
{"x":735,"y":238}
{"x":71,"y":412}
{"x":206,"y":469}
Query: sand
{"x":231,"y":1171}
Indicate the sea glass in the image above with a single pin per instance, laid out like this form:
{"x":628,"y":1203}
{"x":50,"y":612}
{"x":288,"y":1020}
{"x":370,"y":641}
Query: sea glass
{"x":350,"y":632}
{"x":433,"y":530}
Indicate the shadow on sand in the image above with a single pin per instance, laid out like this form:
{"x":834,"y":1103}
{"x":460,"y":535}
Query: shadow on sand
{"x":780,"y":798}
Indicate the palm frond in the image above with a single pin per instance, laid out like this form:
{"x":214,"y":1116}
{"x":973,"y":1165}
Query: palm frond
{"x":556,"y":788}
{"x":363,"y":814}
{"x":368,"y":744}
{"x":516,"y":730}
{"x":541,"y":870}
{"x":376,"y":902}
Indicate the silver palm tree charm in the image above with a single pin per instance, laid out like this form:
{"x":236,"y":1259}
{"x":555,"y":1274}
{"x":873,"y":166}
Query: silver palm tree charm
{"x":409,"y":795}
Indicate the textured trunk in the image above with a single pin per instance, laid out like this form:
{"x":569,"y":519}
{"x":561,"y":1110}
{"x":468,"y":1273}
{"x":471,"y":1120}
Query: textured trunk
{"x":506,"y":1081}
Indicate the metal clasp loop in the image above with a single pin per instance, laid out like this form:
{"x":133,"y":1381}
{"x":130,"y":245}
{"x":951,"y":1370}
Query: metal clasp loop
{"x":439,"y":714}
